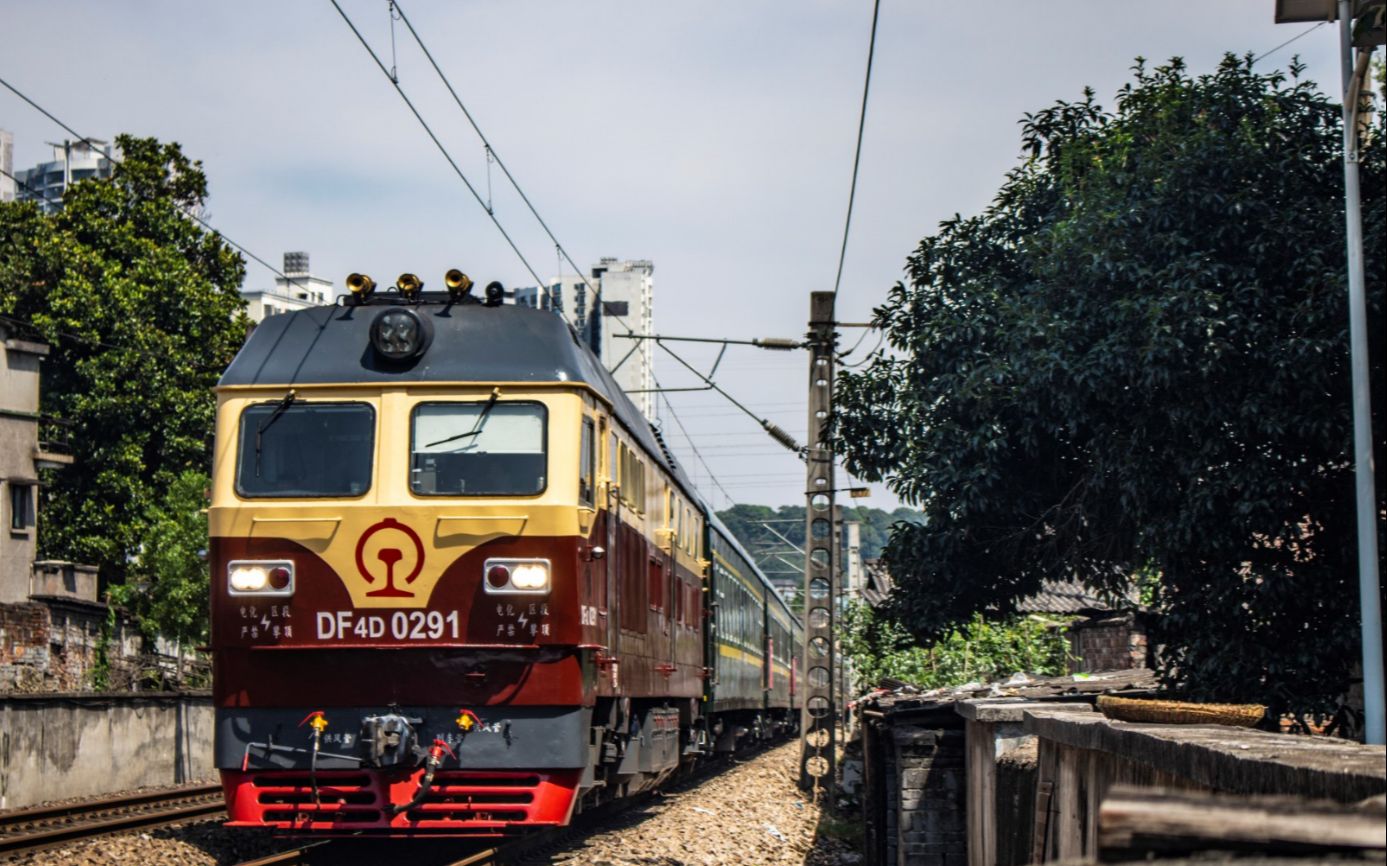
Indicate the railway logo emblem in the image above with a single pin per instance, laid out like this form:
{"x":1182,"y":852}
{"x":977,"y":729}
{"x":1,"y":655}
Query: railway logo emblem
{"x":380,"y":552}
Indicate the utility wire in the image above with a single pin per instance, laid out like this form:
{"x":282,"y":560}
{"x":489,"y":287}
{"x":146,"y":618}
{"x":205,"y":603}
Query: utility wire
{"x":82,"y":139}
{"x":493,"y":155}
{"x":1272,"y":51}
{"x":857,"y":157}
{"x":687,"y":438}
{"x":441,"y":149}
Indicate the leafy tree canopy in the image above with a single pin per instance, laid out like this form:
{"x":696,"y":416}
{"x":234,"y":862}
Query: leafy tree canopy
{"x":142,"y":308}
{"x":1137,"y":358}
{"x":170,"y":598}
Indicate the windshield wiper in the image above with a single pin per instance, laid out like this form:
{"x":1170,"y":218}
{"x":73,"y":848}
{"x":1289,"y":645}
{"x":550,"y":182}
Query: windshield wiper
{"x":477,"y":427}
{"x":260,"y":428}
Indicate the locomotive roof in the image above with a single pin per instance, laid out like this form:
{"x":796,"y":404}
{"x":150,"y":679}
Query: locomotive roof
{"x":471,"y":342}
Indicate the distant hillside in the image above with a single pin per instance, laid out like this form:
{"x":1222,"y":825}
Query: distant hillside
{"x":756,"y":526}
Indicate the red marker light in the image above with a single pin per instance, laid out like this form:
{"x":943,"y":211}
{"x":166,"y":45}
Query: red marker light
{"x":279,"y":577}
{"x":498,"y":576}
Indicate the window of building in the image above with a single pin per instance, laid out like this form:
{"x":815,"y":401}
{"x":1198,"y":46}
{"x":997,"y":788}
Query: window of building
{"x":21,"y":506}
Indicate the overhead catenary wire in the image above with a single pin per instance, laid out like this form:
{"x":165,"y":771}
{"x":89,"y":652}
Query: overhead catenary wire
{"x":492,"y":155}
{"x":82,"y":139}
{"x":434,"y":138}
{"x":857,"y":156}
{"x":689,"y":439}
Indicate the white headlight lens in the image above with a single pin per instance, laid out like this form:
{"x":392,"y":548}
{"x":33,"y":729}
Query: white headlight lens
{"x":531,"y":575}
{"x":249,"y":578}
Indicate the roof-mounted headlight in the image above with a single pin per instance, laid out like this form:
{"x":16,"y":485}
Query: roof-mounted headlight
{"x":399,"y":334}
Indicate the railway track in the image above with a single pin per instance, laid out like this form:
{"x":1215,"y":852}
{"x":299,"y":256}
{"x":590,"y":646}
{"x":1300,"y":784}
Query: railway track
{"x":23,"y":831}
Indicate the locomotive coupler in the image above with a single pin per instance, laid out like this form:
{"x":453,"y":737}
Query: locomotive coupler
{"x":390,"y":741}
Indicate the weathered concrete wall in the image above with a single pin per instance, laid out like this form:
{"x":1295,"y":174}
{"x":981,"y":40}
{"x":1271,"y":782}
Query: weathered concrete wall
{"x":1082,"y":755}
{"x":58,"y":746}
{"x":1001,"y":772}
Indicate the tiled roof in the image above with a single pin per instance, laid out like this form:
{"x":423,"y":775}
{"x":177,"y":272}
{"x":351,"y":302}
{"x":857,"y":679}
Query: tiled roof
{"x":1062,"y":596}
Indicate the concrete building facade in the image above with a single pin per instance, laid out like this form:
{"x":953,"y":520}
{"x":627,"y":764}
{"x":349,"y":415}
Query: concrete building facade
{"x":72,"y":161}
{"x":628,"y":294}
{"x":7,"y":187}
{"x":298,"y":289}
{"x":627,"y":289}
{"x":23,"y":453}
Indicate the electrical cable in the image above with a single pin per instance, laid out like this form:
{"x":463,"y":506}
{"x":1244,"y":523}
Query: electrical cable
{"x":1272,"y":51}
{"x":857,"y":157}
{"x":434,"y":138}
{"x":82,"y":139}
{"x":687,"y":438}
{"x":492,"y":154}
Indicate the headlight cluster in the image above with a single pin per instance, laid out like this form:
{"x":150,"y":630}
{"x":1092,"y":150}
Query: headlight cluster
{"x":271,"y":577}
{"x":516,"y":576}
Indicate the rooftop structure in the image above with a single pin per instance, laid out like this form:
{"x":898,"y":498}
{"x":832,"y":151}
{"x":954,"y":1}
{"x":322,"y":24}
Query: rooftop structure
{"x":298,"y":289}
{"x":72,"y":161}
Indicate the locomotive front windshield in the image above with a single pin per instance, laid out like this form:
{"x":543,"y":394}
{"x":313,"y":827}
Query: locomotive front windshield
{"x":478,"y":449}
{"x":299,"y":449}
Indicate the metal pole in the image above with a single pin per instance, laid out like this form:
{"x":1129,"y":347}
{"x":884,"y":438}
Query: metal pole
{"x":1368,"y":586}
{"x":818,"y":749}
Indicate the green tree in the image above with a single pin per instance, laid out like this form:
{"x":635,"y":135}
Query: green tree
{"x":168,"y":596}
{"x":1136,"y":360}
{"x":142,"y":307}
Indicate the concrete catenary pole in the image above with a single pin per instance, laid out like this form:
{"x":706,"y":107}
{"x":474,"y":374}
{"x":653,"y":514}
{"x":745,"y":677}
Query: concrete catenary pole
{"x":817,"y":755}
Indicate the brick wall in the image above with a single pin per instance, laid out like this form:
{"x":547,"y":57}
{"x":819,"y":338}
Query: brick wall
{"x":1113,"y":643}
{"x":919,"y":813}
{"x":25,"y":635}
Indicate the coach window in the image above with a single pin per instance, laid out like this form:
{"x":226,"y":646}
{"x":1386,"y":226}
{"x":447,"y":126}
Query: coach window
{"x":586,"y":458}
{"x":304,"y":449}
{"x":480,"y":448}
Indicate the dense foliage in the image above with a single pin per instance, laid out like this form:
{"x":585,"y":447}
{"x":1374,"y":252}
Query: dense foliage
{"x":1137,"y":359}
{"x":169,"y":598}
{"x":141,"y":306}
{"x":978,"y":651}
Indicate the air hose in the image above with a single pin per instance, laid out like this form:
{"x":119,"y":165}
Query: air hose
{"x":431,"y":765}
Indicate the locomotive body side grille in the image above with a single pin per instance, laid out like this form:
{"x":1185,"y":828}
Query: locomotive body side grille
{"x":461,"y":802}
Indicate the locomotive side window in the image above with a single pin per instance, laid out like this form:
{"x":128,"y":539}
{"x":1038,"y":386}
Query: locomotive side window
{"x":586,"y":458}
{"x":478,"y":449}
{"x":302,"y":449}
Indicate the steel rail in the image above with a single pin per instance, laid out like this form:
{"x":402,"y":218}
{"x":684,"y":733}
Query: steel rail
{"x":34,"y":829}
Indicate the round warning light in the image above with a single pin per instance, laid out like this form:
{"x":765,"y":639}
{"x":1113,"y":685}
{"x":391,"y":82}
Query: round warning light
{"x":280,"y":576}
{"x":498,"y":576}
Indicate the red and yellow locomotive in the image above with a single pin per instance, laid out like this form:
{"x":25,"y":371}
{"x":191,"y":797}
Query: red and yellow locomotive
{"x":459,"y":586}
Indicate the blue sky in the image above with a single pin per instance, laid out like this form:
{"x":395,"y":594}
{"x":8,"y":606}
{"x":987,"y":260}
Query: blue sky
{"x":714,"y":138}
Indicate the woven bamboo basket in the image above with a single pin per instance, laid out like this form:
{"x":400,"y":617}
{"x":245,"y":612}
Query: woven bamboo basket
{"x":1180,"y":712}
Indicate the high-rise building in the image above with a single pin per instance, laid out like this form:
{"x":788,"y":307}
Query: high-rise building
{"x":627,"y":289}
{"x":7,"y":189}
{"x":72,"y":161}
{"x":298,"y":289}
